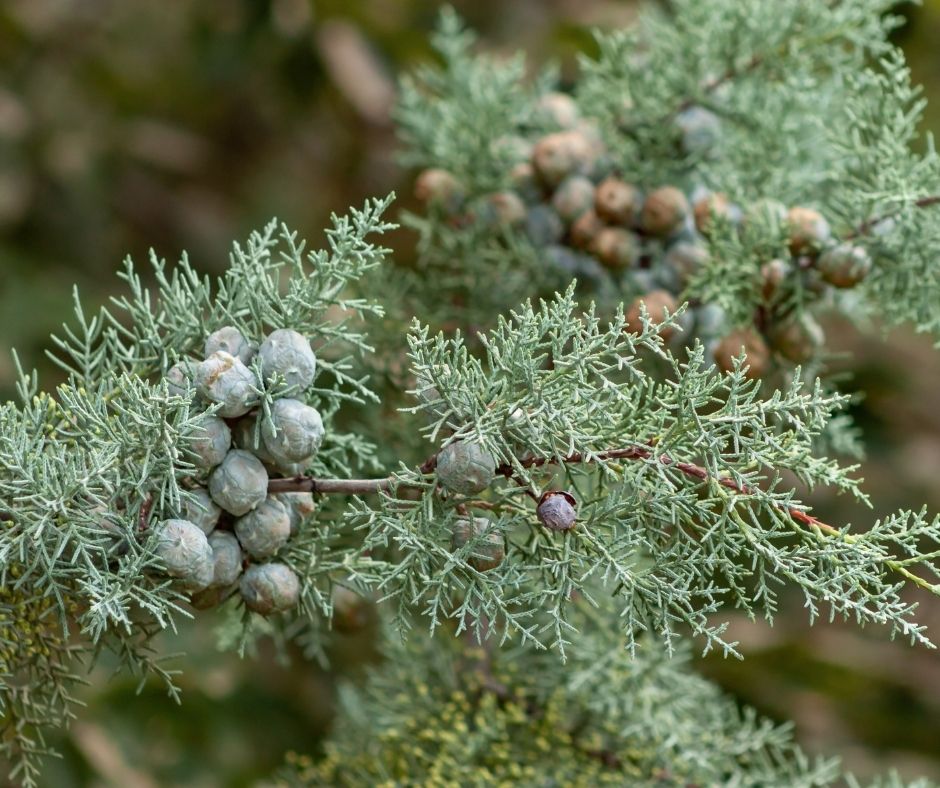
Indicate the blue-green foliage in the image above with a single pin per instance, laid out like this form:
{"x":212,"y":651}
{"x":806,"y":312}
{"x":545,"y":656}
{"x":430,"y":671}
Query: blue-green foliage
{"x":682,"y":473}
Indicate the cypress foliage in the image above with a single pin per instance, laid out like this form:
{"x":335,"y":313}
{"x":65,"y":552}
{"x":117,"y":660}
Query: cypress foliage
{"x":616,"y":393}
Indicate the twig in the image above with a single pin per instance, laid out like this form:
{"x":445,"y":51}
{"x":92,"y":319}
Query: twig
{"x":870,"y":224}
{"x":367,"y":486}
{"x":330,"y":486}
{"x":644,"y":452}
{"x":733,"y":72}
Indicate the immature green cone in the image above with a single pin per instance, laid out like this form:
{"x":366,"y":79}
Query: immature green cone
{"x":264,"y":530}
{"x":489,"y":545}
{"x":466,"y":468}
{"x":208,"y":598}
{"x":246,"y":435}
{"x":574,"y":196}
{"x":299,"y":505}
{"x":233,"y":342}
{"x":226,"y":558}
{"x":199,"y":508}
{"x":210,"y":443}
{"x":293,"y":433}
{"x":181,"y":378}
{"x":685,"y":259}
{"x":560,"y":108}
{"x":269,"y":588}
{"x":226,"y":381}
{"x":240,"y":483}
{"x":543,"y":225}
{"x":288,"y":354}
{"x":700,"y":130}
{"x":185,"y":553}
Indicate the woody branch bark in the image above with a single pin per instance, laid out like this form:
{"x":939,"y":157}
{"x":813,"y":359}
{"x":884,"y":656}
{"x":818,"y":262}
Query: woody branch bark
{"x":870,"y":224}
{"x":369,"y":486}
{"x":647,"y":453}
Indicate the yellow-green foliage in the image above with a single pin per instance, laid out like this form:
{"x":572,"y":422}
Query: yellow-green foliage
{"x":441,"y":714}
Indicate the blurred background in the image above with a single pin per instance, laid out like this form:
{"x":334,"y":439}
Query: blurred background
{"x":184,"y":125}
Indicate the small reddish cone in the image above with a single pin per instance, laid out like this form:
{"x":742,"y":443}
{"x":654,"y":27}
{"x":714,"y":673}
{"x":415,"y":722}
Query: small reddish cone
{"x":556,"y":510}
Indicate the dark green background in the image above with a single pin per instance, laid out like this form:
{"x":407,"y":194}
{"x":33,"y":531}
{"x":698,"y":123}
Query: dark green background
{"x":130,"y":124}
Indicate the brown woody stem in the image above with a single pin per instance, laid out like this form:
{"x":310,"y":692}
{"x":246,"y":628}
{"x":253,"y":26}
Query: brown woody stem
{"x":329,"y":486}
{"x":870,"y":224}
{"x":797,"y":515}
{"x":368,"y":486}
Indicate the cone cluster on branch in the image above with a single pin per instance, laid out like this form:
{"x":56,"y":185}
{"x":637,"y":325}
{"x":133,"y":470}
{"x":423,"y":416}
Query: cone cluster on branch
{"x":230,"y":531}
{"x":588,"y":220}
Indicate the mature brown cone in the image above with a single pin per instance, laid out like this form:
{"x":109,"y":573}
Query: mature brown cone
{"x":557,"y":510}
{"x":757,"y":354}
{"x":558,"y":155}
{"x":350,"y":610}
{"x":508,"y":209}
{"x":798,"y":340}
{"x":773,"y":275}
{"x":585,"y":229}
{"x":438,"y":186}
{"x":845,"y":265}
{"x":657,"y":303}
{"x":664,"y":211}
{"x":715,"y":204}
{"x":808,"y":230}
{"x":616,"y":248}
{"x":617,"y":201}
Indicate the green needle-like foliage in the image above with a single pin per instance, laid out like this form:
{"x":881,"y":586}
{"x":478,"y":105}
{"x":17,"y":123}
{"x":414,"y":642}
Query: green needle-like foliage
{"x":682,"y":509}
{"x":442,"y":712}
{"x":811,"y":106}
{"x":579,"y":481}
{"x":87,"y":470}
